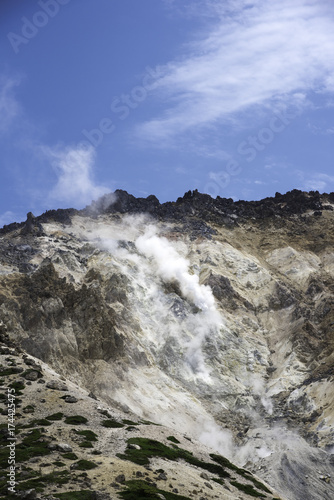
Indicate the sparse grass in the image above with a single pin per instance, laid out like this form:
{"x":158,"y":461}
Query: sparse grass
{"x":18,"y":386}
{"x":58,"y":478}
{"x":10,"y":370}
{"x":129,"y":422}
{"x":148,"y":422}
{"x":247,"y":488}
{"x":89,"y":435}
{"x":69,"y":455}
{"x":86,"y":444}
{"x":55,"y":416}
{"x":140,"y":490}
{"x":259,"y":485}
{"x":173,"y":439}
{"x":31,"y":446}
{"x":219,"y":481}
{"x":28,"y":409}
{"x":29,"y":370}
{"x":41,"y":422}
{"x":242,"y":472}
{"x":150,"y":448}
{"x":58,"y":463}
{"x":85,"y":465}
{"x":76,"y":495}
{"x":112,"y":424}
{"x":76,"y":420}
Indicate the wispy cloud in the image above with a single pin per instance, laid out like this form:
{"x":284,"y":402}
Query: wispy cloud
{"x":316,"y":182}
{"x":258,"y":56}
{"x":9,"y":106}
{"x":74,"y":169}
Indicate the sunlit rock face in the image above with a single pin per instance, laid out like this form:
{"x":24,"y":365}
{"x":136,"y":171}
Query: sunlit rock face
{"x":211,"y":317}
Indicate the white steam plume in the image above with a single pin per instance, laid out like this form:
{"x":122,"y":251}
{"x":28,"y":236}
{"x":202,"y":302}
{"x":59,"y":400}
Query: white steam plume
{"x":171,"y":266}
{"x":74,"y":169}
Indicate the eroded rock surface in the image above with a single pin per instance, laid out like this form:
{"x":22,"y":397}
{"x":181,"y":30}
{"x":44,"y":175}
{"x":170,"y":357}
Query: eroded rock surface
{"x":211,"y":317}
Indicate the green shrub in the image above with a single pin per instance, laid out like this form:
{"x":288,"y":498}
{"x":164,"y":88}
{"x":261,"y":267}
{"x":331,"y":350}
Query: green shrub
{"x":150,"y":448}
{"x":10,"y":370}
{"x":86,"y":444}
{"x":40,"y":482}
{"x":76,"y":495}
{"x":247,"y":488}
{"x":141,"y":490}
{"x":76,"y":420}
{"x":173,"y":439}
{"x":18,"y":386}
{"x":89,"y":435}
{"x":69,"y":455}
{"x":85,"y":465}
{"x":55,"y":416}
{"x":41,"y":422}
{"x":112,"y":424}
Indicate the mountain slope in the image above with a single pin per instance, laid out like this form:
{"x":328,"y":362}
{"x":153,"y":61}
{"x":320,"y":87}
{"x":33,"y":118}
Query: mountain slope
{"x":210,"y":317}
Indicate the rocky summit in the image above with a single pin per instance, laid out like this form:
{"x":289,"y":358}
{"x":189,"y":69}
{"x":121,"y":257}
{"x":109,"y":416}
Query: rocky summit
{"x":182,"y":350}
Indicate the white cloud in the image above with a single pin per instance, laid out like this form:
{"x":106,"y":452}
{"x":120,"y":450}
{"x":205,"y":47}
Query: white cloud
{"x":9,"y":107}
{"x":74,"y":168}
{"x":317,"y":182}
{"x":259,"y":54}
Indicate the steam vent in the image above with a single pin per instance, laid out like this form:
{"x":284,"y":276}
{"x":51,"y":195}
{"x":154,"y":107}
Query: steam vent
{"x":169,"y":351}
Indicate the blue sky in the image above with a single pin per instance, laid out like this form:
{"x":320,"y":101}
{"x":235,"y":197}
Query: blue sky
{"x":234,"y":98}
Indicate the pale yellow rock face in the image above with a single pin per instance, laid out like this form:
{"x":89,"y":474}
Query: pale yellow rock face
{"x":227,"y":339}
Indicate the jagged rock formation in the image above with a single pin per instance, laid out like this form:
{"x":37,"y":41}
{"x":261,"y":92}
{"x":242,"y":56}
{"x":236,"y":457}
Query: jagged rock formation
{"x":212,"y":317}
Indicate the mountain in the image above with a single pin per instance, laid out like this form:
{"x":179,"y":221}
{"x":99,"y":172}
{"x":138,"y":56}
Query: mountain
{"x":203,"y":328}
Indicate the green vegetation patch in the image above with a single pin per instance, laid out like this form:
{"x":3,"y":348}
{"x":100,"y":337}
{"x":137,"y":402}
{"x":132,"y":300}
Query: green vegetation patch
{"x":140,"y":490}
{"x":40,"y":422}
{"x":55,"y":416}
{"x":247,"y":488}
{"x":76,"y":420}
{"x":28,"y":409}
{"x":130,"y":422}
{"x":150,"y":448}
{"x":32,"y":445}
{"x":29,"y":370}
{"x":69,"y":455}
{"x":173,"y":439}
{"x":76,"y":495}
{"x":224,"y":462}
{"x":86,"y":444}
{"x":259,"y":485}
{"x":10,"y":370}
{"x":18,"y":386}
{"x":148,"y":422}
{"x":89,"y":435}
{"x":219,"y":481}
{"x":112,"y":424}
{"x":242,"y":472}
{"x":58,"y":463}
{"x":39,"y":483}
{"x":85,"y":465}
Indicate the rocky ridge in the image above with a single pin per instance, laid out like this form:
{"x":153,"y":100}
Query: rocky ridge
{"x":248,"y":372}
